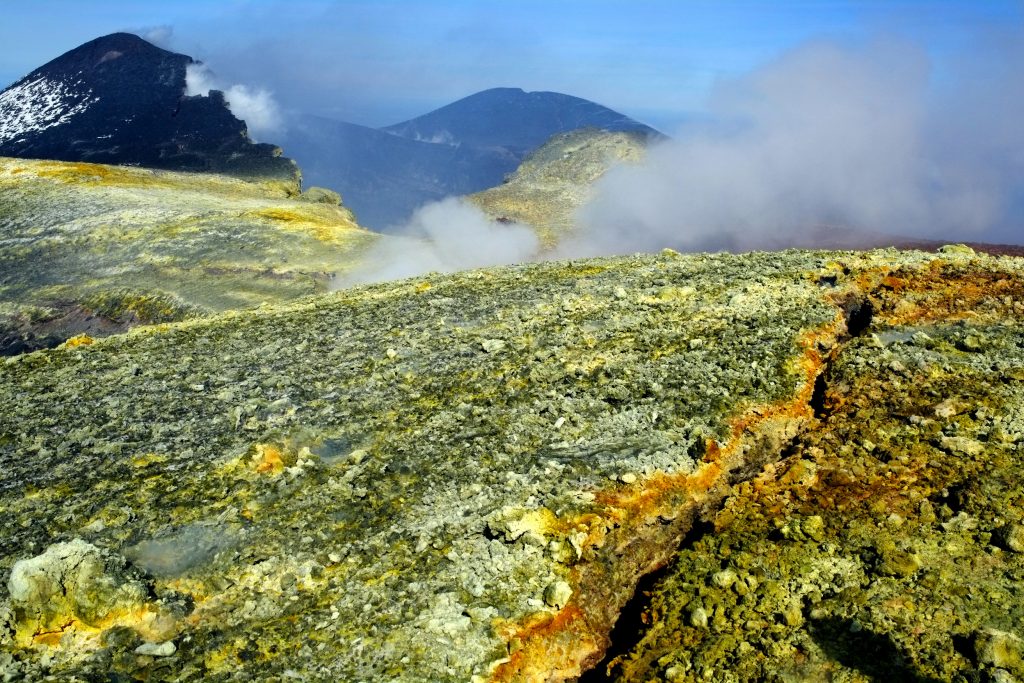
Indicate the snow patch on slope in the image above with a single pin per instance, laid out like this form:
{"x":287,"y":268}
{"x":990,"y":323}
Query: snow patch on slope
{"x":36,"y":105}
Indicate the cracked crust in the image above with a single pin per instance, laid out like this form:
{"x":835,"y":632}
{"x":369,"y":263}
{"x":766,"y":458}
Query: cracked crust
{"x":366,"y":486}
{"x":854,"y":558}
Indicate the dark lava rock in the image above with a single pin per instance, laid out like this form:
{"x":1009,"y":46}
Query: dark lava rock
{"x":120,"y":100}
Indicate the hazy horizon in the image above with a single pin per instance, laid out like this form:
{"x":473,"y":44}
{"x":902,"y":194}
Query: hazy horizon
{"x":901,"y":117}
{"x":378,"y":63}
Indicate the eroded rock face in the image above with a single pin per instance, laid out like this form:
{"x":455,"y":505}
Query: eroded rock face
{"x":93,"y":249}
{"x":399,"y":502}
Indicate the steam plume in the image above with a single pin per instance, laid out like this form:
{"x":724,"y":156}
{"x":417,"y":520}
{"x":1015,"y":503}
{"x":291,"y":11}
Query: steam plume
{"x":827,"y":134}
{"x":446,"y":236}
{"x":255,"y":106}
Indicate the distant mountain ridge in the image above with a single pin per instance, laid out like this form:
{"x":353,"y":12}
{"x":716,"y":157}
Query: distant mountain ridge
{"x":121,"y":100}
{"x":385,"y":177}
{"x":464,"y":147}
{"x":513,"y":119}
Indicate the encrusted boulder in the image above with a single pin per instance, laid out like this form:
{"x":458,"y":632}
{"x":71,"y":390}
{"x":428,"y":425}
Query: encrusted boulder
{"x":72,"y":583}
{"x":321,"y":195}
{"x":1000,"y":649}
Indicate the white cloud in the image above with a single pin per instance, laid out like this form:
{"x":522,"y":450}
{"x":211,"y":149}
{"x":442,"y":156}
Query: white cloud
{"x":256,"y":106}
{"x":198,"y":80}
{"x":158,"y":35}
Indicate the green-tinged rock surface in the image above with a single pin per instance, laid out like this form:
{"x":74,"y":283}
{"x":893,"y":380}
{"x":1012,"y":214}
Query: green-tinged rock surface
{"x":884,"y":545}
{"x":87,"y":248}
{"x":554,"y":181}
{"x":463,"y":477}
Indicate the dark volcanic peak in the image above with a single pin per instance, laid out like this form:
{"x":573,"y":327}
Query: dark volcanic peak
{"x":98,"y":56}
{"x":120,"y":100}
{"x":513,"y":119}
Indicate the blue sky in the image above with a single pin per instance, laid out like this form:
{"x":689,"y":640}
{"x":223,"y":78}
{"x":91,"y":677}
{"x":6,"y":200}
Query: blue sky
{"x":380,"y":62}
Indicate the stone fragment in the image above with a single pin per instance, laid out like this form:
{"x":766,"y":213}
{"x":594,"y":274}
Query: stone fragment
{"x":492,"y":345}
{"x":1002,"y":676}
{"x":961,"y":445}
{"x":321,"y":195}
{"x":948,"y":408}
{"x":164,"y":649}
{"x":801,"y":529}
{"x":899,"y":563}
{"x":724,"y":578}
{"x":962,"y":522}
{"x":814,"y":527}
{"x":557,"y":594}
{"x":1000,"y":649}
{"x":792,"y":616}
{"x":1012,"y":537}
{"x":956,"y":250}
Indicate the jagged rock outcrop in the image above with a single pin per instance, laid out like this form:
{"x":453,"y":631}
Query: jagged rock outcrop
{"x":464,"y":477}
{"x":120,"y":100}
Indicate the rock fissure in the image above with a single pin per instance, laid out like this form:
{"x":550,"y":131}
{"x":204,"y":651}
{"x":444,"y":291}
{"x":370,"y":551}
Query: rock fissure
{"x":861,"y":554}
{"x":635,"y":618}
{"x":632,"y":403}
{"x":760,"y":436}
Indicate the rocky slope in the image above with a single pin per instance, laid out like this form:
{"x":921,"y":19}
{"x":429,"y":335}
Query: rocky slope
{"x":887,"y":543}
{"x":463,"y":478}
{"x":557,"y":179}
{"x":120,"y":100}
{"x":94,"y":249}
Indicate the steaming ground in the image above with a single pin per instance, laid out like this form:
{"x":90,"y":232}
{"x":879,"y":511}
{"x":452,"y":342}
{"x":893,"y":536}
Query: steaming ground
{"x":445,"y":237}
{"x":855,"y":136}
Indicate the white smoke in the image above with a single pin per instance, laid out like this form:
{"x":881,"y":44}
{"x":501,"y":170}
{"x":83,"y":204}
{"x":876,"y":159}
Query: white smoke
{"x":255,"y":106}
{"x":160,"y":36}
{"x":444,"y":237}
{"x":826,"y":135}
{"x":198,"y":80}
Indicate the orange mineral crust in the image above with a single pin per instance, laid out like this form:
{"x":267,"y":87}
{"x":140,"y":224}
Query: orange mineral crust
{"x":465,"y":477}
